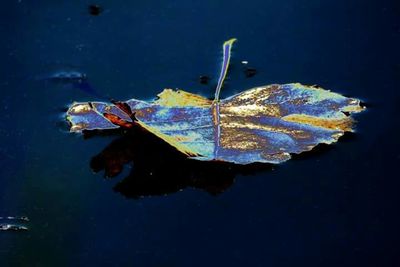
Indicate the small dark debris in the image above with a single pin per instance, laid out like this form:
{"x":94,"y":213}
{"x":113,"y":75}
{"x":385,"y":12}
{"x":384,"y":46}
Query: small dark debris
{"x":250,"y":72}
{"x":204,"y":79}
{"x":95,"y":10}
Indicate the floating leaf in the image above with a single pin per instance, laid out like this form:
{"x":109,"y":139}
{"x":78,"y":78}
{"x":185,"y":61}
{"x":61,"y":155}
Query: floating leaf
{"x":263,"y":124}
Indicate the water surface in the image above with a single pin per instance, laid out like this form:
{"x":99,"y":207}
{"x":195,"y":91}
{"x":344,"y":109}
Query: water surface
{"x":336,"y":207}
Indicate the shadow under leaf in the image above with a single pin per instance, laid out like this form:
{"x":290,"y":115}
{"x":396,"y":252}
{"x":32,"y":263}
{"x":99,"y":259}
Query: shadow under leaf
{"x":159,"y":169}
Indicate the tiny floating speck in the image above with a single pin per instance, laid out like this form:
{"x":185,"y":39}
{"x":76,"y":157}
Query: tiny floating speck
{"x":203,"y":79}
{"x":250,"y":72}
{"x":95,"y":10}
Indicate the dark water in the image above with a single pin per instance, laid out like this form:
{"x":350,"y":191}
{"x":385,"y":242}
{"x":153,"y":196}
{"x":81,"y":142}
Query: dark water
{"x":338,"y":206}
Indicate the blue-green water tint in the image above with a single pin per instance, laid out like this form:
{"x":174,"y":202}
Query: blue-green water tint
{"x":337,"y":208}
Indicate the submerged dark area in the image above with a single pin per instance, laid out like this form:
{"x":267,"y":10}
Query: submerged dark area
{"x":334,"y":206}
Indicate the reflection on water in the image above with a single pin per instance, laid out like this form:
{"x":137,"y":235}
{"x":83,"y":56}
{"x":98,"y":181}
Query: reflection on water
{"x":13,"y":223}
{"x":12,"y":227}
{"x":159,"y":169}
